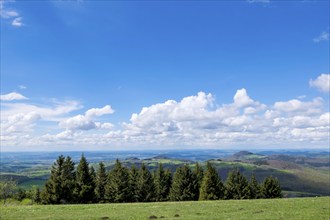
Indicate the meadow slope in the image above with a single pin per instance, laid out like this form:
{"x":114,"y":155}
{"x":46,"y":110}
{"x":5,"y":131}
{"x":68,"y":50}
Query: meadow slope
{"x":295,"y":208}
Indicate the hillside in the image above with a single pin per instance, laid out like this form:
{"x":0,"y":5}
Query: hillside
{"x":300,"y":173}
{"x":298,"y":208}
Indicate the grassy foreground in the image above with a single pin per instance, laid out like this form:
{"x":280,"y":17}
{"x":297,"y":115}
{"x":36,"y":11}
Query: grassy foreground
{"x":297,"y":208}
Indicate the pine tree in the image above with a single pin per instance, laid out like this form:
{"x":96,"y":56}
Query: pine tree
{"x":183,"y":185}
{"x":271,"y":188}
{"x":161,"y":184}
{"x":237,"y":186}
{"x":198,"y":173}
{"x":211,"y":187}
{"x":168,"y":182}
{"x":84,"y":182}
{"x":100,"y":182}
{"x":118,"y":188}
{"x":67,"y":181}
{"x":53,"y":192}
{"x":133,"y":179}
{"x":255,"y":189}
{"x":145,"y":185}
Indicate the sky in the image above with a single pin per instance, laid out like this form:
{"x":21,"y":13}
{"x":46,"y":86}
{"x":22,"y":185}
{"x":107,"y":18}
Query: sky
{"x":136,"y":75}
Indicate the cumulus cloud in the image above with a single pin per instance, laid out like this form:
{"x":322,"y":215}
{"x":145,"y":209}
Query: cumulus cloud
{"x":10,"y":14}
{"x":296,"y":105}
{"x":322,"y":83}
{"x":17,"y":22}
{"x":324,"y":36}
{"x":12,"y":96}
{"x":86,"y":122}
{"x":197,"y":120}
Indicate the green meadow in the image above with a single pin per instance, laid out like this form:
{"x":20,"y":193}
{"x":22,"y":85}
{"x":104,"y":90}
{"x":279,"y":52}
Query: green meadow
{"x":294,"y":208}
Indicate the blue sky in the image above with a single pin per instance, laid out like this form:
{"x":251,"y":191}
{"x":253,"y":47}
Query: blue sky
{"x":61,"y":59}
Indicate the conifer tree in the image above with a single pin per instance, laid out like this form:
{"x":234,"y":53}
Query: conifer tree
{"x":67,"y":180}
{"x":100,"y":182}
{"x":84,"y":182}
{"x":133,"y":179}
{"x":271,"y":188}
{"x":183,"y":185}
{"x":117,"y":187}
{"x":145,"y":185}
{"x":53,"y":192}
{"x":198,"y":173}
{"x":255,"y":189}
{"x":211,"y":187}
{"x":161,"y":184}
{"x":237,"y":186}
{"x":168,"y":182}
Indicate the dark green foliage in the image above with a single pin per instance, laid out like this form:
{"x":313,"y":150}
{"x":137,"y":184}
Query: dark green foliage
{"x":255,"y":188}
{"x":198,"y":173}
{"x":67,"y":179}
{"x":53,"y":191}
{"x":183,"y":185}
{"x":271,"y":188}
{"x":145,"y":185}
{"x":83,"y":185}
{"x":162,"y":184}
{"x":20,"y":194}
{"x":133,"y":179}
{"x":35,"y":195}
{"x":211,"y":187}
{"x":100,"y":182}
{"x":84,"y":189}
{"x":118,"y":188}
{"x":237,"y":186}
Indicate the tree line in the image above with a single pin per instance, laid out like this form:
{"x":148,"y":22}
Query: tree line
{"x":121,"y":184}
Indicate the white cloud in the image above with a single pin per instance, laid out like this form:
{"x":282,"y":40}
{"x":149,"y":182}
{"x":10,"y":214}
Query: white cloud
{"x":86,"y":122}
{"x":324,"y":36}
{"x":322,"y":82}
{"x":241,"y":99}
{"x":296,"y":105}
{"x":17,"y":22}
{"x":258,"y":1}
{"x":196,"y":120}
{"x":10,"y":14}
{"x":12,"y":96}
{"x":22,"y":87}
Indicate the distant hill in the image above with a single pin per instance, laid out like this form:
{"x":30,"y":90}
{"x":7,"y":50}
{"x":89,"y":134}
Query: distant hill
{"x":299,"y":175}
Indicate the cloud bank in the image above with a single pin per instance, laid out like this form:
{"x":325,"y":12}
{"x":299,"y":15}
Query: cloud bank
{"x":194,"y":121}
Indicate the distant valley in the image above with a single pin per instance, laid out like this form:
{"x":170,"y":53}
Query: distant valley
{"x":301,"y":173}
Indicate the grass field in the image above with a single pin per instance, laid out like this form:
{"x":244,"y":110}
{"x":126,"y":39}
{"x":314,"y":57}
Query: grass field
{"x":297,"y":208}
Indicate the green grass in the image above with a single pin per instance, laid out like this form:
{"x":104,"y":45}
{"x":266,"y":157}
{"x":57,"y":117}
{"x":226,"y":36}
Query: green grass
{"x":298,"y":208}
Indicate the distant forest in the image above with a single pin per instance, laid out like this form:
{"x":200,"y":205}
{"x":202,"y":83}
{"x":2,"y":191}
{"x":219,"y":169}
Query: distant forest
{"x":68,"y":185}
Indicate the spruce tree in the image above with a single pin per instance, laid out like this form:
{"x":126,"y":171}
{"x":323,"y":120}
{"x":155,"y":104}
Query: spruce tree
{"x":211,"y":187}
{"x":183,"y":185}
{"x":145,"y":185}
{"x":118,"y":188}
{"x":198,"y":173}
{"x":100,"y":182}
{"x":133,"y":183}
{"x":271,"y":188}
{"x":161,"y":184}
{"x":84,"y":182}
{"x":53,"y":192}
{"x":67,"y":180}
{"x":255,"y":188}
{"x":237,"y":186}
